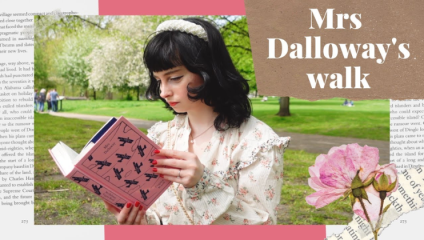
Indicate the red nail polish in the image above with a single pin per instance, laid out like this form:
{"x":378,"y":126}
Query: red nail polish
{"x":137,"y":204}
{"x":155,"y":169}
{"x":161,"y":175}
{"x":156,"y":151}
{"x":129,"y":205}
{"x":154,"y":162}
{"x":141,"y":207}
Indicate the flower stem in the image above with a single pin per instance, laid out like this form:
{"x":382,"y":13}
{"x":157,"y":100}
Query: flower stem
{"x":383,"y":195}
{"x":365,"y":210}
{"x":368,"y":218}
{"x":381,"y":207}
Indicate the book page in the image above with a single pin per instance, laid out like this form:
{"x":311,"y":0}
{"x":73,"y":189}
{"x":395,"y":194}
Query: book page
{"x":17,"y":120}
{"x":407,"y":133}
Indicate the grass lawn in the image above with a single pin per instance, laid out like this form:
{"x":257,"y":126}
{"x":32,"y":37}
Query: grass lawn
{"x":75,"y":205}
{"x":368,"y":119}
{"x":295,"y":188}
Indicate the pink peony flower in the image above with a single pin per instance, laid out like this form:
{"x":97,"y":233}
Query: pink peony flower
{"x":332,"y":174}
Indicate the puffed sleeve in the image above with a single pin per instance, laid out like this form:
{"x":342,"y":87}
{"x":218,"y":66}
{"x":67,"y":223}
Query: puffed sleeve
{"x":260,"y":182}
{"x":258,"y":173}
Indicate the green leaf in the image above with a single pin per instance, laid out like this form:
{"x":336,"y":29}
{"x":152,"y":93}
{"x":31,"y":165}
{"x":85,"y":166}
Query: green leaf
{"x":386,"y":208}
{"x":392,"y":186}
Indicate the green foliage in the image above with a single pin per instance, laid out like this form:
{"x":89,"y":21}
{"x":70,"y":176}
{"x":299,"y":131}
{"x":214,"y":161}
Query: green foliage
{"x":105,"y":52}
{"x":71,"y":62}
{"x":41,"y":68}
{"x":236,"y":36}
{"x":57,"y":52}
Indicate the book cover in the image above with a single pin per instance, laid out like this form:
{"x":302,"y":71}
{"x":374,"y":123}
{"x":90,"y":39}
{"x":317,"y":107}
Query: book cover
{"x":116,"y":165}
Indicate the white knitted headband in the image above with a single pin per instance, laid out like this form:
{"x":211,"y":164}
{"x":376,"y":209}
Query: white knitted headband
{"x":183,"y":26}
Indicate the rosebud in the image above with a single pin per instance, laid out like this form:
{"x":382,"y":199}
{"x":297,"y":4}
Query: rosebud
{"x":384,"y":185}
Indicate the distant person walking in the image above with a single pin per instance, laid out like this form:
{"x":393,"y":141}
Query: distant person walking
{"x":49,"y":101}
{"x":53,"y":98}
{"x":41,"y":99}
{"x":35,"y":99}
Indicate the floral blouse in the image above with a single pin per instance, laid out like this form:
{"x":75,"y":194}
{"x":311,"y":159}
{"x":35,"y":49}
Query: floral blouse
{"x":241,"y":182}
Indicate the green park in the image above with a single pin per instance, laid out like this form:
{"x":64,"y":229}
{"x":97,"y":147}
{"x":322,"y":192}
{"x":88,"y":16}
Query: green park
{"x":96,"y":64}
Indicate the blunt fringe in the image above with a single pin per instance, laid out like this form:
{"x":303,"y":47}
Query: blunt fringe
{"x":224,"y":88}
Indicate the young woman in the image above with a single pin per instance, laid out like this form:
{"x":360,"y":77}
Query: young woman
{"x":226,"y":165}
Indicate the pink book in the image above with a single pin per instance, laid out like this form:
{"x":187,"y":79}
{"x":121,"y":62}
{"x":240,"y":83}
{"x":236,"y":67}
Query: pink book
{"x":116,"y":165}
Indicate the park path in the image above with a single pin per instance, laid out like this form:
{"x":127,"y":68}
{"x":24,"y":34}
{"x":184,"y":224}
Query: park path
{"x":307,"y":142}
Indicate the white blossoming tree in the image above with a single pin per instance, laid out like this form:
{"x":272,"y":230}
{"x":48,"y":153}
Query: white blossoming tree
{"x":117,"y":61}
{"x":71,"y":62}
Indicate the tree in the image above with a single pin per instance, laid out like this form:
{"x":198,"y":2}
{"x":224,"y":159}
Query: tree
{"x":61,"y":44}
{"x":284,"y":107}
{"x":43,"y":55}
{"x":236,"y":36}
{"x":235,"y":32}
{"x":117,"y":61}
{"x":41,"y":68}
{"x":71,"y":63}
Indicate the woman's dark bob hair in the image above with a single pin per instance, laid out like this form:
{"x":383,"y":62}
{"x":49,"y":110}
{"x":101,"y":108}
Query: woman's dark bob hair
{"x":224,"y":88}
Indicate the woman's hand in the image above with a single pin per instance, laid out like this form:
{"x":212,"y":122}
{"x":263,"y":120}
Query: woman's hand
{"x":180,"y":167}
{"x":129,"y":215}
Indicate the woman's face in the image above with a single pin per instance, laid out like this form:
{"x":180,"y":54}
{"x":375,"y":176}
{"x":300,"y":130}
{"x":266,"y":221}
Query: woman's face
{"x":173,"y":88}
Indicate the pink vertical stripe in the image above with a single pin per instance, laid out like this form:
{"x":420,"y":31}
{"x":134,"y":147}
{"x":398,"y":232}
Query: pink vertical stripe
{"x":310,"y":232}
{"x":171,"y":7}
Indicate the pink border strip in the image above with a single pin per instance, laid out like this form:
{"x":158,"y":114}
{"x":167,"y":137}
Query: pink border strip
{"x":197,"y":7}
{"x":309,"y":232}
{"x":171,"y":7}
